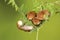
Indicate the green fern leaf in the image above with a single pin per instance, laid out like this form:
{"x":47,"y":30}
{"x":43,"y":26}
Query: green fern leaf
{"x":12,"y":2}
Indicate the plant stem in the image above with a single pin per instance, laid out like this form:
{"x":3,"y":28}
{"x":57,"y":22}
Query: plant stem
{"x":37,"y":34}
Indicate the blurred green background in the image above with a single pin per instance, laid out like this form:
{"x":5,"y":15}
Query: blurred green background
{"x":9,"y":30}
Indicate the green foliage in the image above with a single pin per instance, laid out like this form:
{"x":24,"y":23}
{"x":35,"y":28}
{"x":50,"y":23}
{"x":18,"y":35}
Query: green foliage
{"x":33,"y":5}
{"x":37,"y":6}
{"x":12,"y":2}
{"x":48,"y":32}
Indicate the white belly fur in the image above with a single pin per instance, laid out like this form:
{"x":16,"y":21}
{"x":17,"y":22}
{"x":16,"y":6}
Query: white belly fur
{"x":27,"y":27}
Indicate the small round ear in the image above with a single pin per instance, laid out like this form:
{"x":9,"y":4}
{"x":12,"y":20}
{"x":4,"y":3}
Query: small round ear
{"x":31,"y":15}
{"x":36,"y":21}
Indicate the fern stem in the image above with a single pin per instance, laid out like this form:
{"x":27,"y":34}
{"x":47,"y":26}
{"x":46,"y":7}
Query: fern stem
{"x":37,"y":34}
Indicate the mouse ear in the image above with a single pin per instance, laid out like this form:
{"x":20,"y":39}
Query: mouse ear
{"x":36,"y":21}
{"x":46,"y":14}
{"x":31,"y":15}
{"x":42,"y":15}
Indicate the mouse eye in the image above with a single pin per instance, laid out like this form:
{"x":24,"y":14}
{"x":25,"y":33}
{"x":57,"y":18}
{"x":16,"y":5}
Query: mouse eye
{"x":31,"y":15}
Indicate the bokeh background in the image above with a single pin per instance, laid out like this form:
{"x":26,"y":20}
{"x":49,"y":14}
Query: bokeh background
{"x":9,"y":30}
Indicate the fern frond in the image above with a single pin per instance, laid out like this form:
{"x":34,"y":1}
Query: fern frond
{"x":12,"y":2}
